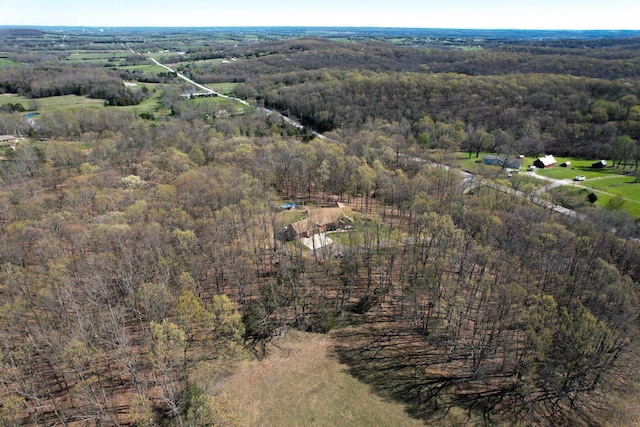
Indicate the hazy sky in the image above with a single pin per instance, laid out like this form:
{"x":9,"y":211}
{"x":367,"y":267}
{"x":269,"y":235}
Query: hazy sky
{"x":508,"y":14}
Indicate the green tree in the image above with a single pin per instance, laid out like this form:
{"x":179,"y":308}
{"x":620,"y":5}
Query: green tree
{"x":206,"y":410}
{"x":190,"y":315}
{"x":367,"y":181}
{"x":615,"y":203}
{"x":141,"y":412}
{"x":226,"y":325}
{"x":568,"y":351}
{"x":623,"y":150}
{"x":167,"y":353}
{"x":12,"y":406}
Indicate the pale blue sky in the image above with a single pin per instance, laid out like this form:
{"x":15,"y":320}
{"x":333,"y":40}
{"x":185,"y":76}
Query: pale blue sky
{"x":506,"y":14}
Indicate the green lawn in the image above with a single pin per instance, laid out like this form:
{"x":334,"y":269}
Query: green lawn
{"x":366,"y":228}
{"x":606,"y":183}
{"x":611,"y":183}
{"x":223,"y":88}
{"x":348,"y":238}
{"x":150,"y":105}
{"x":231,"y":106}
{"x":4,"y":62}
{"x":145,"y":68}
{"x":291,"y":216}
{"x":72,"y":102}
{"x":578,"y":167}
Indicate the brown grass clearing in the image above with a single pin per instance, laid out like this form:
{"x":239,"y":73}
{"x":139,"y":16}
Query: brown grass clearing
{"x":301,"y":384}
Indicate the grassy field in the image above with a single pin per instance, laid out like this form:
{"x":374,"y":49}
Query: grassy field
{"x":229,"y":105}
{"x":97,"y":57}
{"x":607,"y":183}
{"x":223,"y":88}
{"x":151,"y":105}
{"x":302,"y":384}
{"x":66,"y":102}
{"x":71,"y":102}
{"x":613,"y":187}
{"x":145,"y":68}
{"x":4,"y":62}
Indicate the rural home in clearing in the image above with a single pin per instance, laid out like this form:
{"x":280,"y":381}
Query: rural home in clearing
{"x":319,"y":220}
{"x":298,"y":229}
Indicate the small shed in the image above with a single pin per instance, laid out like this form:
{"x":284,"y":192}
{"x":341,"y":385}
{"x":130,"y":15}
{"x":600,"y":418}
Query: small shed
{"x":545,"y":162}
{"x":566,"y":164}
{"x":599,"y":164}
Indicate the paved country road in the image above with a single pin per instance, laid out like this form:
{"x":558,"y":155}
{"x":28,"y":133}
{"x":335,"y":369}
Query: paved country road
{"x":288,"y":120}
{"x":198,"y":85}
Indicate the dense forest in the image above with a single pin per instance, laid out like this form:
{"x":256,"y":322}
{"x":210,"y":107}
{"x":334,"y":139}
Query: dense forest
{"x":142,"y":255}
{"x":531,"y":99}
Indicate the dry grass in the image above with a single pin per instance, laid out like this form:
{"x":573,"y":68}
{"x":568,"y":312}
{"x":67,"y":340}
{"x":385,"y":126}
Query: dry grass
{"x":66,"y":102}
{"x":301,"y":384}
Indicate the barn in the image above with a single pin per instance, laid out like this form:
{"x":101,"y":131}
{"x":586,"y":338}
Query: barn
{"x":545,"y":162}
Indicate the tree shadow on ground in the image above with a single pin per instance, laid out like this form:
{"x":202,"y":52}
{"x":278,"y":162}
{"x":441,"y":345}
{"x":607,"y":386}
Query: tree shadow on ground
{"x":397,"y":366}
{"x":435,"y":383}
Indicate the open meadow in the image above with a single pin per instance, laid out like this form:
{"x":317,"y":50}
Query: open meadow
{"x":301,"y":383}
{"x":64,"y":102}
{"x":606,"y":183}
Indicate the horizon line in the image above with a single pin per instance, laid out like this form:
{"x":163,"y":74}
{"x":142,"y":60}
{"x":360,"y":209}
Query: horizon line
{"x":320,"y":27}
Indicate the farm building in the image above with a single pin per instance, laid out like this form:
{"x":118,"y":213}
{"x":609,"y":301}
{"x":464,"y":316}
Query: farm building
{"x":566,"y":164}
{"x":599,"y":164}
{"x":503,"y":161}
{"x":545,"y":162}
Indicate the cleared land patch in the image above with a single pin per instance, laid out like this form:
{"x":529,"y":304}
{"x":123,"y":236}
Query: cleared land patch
{"x":66,"y":102}
{"x":302,"y":384}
